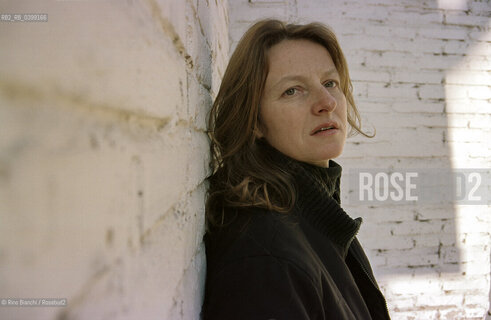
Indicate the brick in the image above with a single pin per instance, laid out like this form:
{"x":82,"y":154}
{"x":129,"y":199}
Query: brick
{"x":413,"y":260}
{"x":476,"y":63}
{"x":314,"y":11}
{"x":459,"y":121}
{"x":368,"y":106}
{"x":369,"y":75}
{"x":479,"y":92}
{"x":473,"y":269}
{"x":436,"y":212}
{"x":390,"y":59}
{"x":432,"y":135}
{"x":406,"y":315}
{"x":453,"y":7}
{"x":402,"y":4}
{"x":438,"y":61}
{"x":444,"y":33}
{"x":463,"y":284}
{"x":368,"y":12}
{"x":480,"y":121}
{"x":474,"y":313}
{"x":480,"y":8}
{"x":364,"y":42}
{"x":433,"y":240}
{"x":354,"y":58}
{"x":429,"y":108}
{"x":432,"y":300}
{"x":475,"y":255}
{"x":469,"y":77}
{"x":422,"y":77}
{"x":416,"y":227}
{"x":433,"y":92}
{"x":387,"y":149}
{"x":425,"y":115}
{"x":403,"y":303}
{"x":419,"y":45}
{"x":394,"y":243}
{"x":470,"y":225}
{"x":244,"y":11}
{"x":466,"y":20}
{"x":460,"y":47}
{"x":409,"y":286}
{"x":390,"y":32}
{"x":459,"y":104}
{"x":451,"y":312}
{"x":384,"y":274}
{"x":447,"y":92}
{"x":469,"y":149}
{"x":359,"y":88}
{"x":450,"y":254}
{"x":465,"y":135}
{"x":378,"y":261}
{"x":376,"y":229}
{"x":476,"y":238}
{"x":470,"y":299}
{"x":400,"y":91}
{"x":414,"y":17}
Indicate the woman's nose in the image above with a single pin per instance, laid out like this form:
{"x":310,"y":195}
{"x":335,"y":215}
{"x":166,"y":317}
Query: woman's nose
{"x":324,"y":101}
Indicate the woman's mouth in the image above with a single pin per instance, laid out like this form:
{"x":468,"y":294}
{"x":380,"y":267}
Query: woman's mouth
{"x":327,"y":128}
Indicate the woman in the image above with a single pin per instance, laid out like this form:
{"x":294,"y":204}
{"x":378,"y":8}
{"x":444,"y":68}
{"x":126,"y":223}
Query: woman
{"x":278,"y":244}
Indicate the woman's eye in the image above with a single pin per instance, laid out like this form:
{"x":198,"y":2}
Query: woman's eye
{"x":330,"y":84}
{"x":290,"y":92}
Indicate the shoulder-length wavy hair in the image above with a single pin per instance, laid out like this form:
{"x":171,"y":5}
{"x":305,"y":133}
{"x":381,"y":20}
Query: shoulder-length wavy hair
{"x":243,"y":175}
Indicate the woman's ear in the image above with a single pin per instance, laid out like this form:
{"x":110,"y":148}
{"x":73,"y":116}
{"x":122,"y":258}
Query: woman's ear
{"x":258,"y":134}
{"x":259,"y":130}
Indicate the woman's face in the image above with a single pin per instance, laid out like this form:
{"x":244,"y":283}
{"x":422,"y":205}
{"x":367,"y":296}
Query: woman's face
{"x":303,"y":111}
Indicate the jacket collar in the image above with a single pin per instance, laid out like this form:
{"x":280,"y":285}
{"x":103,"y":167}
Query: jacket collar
{"x":318,"y":199}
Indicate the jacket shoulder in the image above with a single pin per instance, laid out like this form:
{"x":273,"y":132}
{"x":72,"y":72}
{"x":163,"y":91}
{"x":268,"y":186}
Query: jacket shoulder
{"x":261,"y":273}
{"x":257,"y":233}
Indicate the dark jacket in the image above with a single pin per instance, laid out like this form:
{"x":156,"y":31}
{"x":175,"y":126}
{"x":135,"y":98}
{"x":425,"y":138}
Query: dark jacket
{"x":306,"y":264}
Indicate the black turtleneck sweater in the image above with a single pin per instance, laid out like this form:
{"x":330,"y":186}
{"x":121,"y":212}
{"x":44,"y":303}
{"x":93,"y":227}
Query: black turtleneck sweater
{"x":305,"y":264}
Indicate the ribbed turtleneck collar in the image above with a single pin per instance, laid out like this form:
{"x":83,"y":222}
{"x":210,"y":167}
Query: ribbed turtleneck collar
{"x":318,"y":198}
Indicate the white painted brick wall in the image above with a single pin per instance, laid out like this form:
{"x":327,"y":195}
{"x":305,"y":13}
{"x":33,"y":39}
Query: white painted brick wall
{"x":103,"y":154}
{"x":421,"y":75}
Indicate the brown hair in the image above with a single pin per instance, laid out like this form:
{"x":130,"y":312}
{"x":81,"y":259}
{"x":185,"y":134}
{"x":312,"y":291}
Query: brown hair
{"x":243,"y":175}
